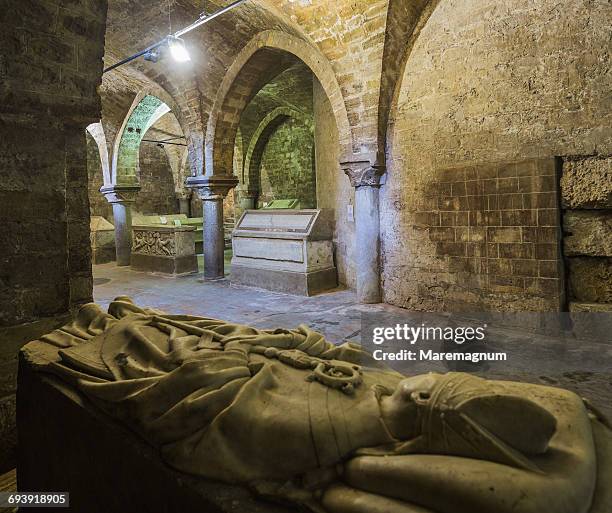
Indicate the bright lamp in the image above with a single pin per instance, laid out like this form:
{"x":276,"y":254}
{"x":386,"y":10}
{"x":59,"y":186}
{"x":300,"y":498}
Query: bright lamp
{"x":177,"y":49}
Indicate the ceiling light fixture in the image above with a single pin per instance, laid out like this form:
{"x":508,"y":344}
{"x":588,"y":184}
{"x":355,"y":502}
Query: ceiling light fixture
{"x":177,"y":49}
{"x":175,"y":43}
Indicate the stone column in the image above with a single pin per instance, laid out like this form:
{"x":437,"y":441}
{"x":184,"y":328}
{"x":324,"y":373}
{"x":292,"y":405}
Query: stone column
{"x":184,"y":200}
{"x":367,"y":180}
{"x":212,"y":190}
{"x":121,"y":198}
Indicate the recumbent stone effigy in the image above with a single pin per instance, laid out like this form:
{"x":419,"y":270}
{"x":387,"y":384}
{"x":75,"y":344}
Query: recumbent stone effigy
{"x":297,"y":419}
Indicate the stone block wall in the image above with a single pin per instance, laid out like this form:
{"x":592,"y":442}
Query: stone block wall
{"x":489,"y":239}
{"x":50,"y":66}
{"x":334,"y":192}
{"x":489,"y":81}
{"x":157,"y":194}
{"x":287,"y":165}
{"x":586,"y":193}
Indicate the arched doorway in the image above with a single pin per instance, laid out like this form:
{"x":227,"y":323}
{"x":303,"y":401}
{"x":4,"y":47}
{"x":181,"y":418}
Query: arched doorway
{"x":148,"y":167}
{"x":256,"y":78}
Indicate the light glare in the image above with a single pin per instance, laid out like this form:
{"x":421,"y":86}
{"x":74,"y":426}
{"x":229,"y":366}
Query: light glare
{"x":177,"y":49}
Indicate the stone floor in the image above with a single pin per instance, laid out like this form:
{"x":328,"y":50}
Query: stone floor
{"x":336,"y":314}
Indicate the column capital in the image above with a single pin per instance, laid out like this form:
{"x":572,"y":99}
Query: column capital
{"x":120,"y":193}
{"x":183,"y":194}
{"x":361,"y":172}
{"x":212,"y":187}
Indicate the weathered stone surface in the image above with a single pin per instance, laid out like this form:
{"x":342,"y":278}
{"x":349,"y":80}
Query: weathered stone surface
{"x":102,"y":236}
{"x":98,"y":205}
{"x":485,"y":236}
{"x":47,"y":99}
{"x":590,"y":279}
{"x":275,"y":142}
{"x":284,"y":250}
{"x":334,"y":191}
{"x":474,"y":91}
{"x":164,"y":249}
{"x":587,"y":233}
{"x":587,"y":182}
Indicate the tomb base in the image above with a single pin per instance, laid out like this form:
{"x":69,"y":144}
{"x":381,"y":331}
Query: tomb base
{"x":165,"y":265}
{"x":164,"y":249}
{"x":102,"y":237}
{"x":298,"y":283}
{"x":65,"y":444}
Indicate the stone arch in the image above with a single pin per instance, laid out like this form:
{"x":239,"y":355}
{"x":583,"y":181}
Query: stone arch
{"x":181,"y":175}
{"x":238,"y":166}
{"x":262,"y":134}
{"x":166,"y":104}
{"x":241,"y":82}
{"x":389,"y":100}
{"x":96,"y":130}
{"x":404,"y":21}
{"x":125,"y":153}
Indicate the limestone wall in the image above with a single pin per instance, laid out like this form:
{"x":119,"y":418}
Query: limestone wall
{"x":484,"y":82}
{"x":157,"y":194}
{"x":333,"y":188}
{"x":50,"y":66}
{"x":287,"y":165}
{"x":586,"y":194}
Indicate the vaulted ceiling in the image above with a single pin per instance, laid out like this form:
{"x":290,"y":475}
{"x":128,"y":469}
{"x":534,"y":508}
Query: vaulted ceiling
{"x":351,"y":34}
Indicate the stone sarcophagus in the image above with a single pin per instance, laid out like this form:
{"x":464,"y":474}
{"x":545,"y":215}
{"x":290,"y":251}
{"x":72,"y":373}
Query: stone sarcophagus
{"x":164,"y":249}
{"x":102,"y":237}
{"x":287,"y":251}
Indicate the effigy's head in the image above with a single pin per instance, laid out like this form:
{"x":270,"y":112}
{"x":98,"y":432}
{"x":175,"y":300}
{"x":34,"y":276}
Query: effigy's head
{"x":400,"y":409}
{"x":482,"y":417}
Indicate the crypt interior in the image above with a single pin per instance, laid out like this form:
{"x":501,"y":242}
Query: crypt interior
{"x":424,"y":155}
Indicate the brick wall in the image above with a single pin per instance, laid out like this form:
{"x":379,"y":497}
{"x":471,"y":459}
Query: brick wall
{"x":50,"y":66}
{"x":486,"y":82}
{"x":492,"y":235}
